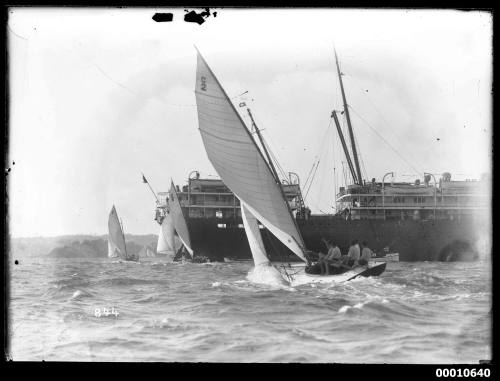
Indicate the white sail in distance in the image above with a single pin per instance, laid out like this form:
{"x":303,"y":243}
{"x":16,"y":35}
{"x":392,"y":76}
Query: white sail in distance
{"x":112,"y":250}
{"x":178,"y":219}
{"x":149,"y":252}
{"x":116,"y":239}
{"x":162,"y":245}
{"x":239,"y":162}
{"x":166,"y":241}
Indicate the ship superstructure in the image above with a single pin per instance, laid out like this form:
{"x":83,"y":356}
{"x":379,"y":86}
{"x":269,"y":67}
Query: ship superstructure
{"x":210,"y":199}
{"x":418,"y":201}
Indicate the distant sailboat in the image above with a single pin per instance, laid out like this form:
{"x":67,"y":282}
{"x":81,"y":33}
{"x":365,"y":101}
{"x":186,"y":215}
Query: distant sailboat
{"x":241,"y":165}
{"x":165,"y":245}
{"x":179,"y":222}
{"x":166,"y":238}
{"x":116,"y":239}
{"x":147,"y":252}
{"x":150,"y":253}
{"x":165,"y":242}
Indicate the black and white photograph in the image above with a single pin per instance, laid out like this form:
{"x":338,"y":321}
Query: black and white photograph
{"x":249,"y":185}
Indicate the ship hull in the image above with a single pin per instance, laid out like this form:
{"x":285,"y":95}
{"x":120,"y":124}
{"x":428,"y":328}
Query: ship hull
{"x":414,"y":240}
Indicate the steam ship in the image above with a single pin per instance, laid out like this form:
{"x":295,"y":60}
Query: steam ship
{"x":444,"y":221}
{"x":424,"y":220}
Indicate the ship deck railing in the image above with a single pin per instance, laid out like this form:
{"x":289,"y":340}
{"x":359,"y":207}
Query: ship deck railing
{"x":416,"y":207}
{"x":215,"y":206}
{"x":207,"y":193}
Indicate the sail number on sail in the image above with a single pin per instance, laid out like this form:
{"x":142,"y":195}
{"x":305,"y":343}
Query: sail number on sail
{"x":204,"y":83}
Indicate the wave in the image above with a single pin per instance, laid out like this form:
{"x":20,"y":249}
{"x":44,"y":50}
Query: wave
{"x":126,"y":262}
{"x":146,"y":299}
{"x":266,"y":274}
{"x":345,"y":308}
{"x":421,"y":312}
{"x":306,"y":335}
{"x":80,"y":294}
{"x":126,"y":281}
{"x":166,"y":323}
{"x":70,"y":283}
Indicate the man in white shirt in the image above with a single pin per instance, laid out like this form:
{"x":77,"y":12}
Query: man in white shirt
{"x":332,"y":257}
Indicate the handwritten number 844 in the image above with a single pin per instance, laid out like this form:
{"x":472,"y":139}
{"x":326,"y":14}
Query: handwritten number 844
{"x":98,"y":312}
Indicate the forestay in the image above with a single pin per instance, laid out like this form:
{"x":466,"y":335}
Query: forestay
{"x":116,"y":239}
{"x":239,"y":162}
{"x":178,"y":219}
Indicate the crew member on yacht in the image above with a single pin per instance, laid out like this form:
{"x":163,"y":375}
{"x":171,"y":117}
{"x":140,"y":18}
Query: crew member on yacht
{"x":333,"y":257}
{"x":353,"y":254}
{"x":366,"y":254}
{"x":322,"y":255}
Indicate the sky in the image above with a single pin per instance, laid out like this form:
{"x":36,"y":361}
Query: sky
{"x":99,"y":95}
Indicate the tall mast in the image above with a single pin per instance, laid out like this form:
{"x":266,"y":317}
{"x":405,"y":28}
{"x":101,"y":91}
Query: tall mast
{"x":344,"y":146}
{"x":349,"y":125}
{"x":276,"y":178}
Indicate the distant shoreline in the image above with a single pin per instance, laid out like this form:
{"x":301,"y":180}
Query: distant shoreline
{"x":75,"y":246}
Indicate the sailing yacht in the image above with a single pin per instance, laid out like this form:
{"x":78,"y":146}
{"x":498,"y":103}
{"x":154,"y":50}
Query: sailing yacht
{"x":179,"y":224}
{"x":240,"y":163}
{"x":146,"y":253}
{"x":116,"y":239}
{"x":149,"y":253}
{"x":166,"y":242}
{"x":166,"y":239}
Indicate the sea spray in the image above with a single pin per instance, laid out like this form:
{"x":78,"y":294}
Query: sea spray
{"x":266,"y":273}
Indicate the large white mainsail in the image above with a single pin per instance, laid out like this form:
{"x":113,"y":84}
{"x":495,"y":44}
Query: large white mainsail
{"x":178,"y":219}
{"x":238,"y":161}
{"x":116,"y":239}
{"x":166,"y":240}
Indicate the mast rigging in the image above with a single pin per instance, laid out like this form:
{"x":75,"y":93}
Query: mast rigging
{"x":349,"y":125}
{"x":344,"y":146}
{"x":276,"y":177}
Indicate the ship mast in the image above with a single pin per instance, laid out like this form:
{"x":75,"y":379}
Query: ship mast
{"x":344,"y":146}
{"x":349,"y":125}
{"x":276,"y":177}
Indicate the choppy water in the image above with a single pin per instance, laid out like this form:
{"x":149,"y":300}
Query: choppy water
{"x":413,"y":313}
